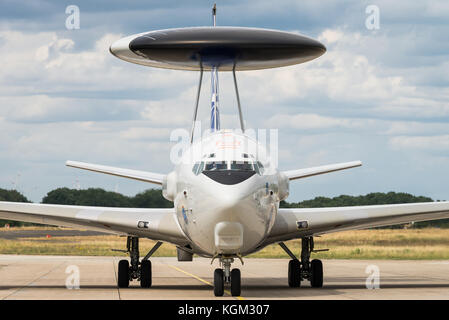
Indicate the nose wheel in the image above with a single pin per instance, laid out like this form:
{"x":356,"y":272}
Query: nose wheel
{"x":235,"y":282}
{"x":218,"y":282}
{"x":224,"y":276}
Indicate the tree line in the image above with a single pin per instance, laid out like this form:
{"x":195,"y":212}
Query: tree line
{"x":152,"y":198}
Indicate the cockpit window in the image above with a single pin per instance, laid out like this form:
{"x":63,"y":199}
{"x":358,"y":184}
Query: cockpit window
{"x":195,"y":168}
{"x":216,"y":165}
{"x":198,"y":168}
{"x":259,"y":167}
{"x":242,"y":166}
{"x":245,"y":166}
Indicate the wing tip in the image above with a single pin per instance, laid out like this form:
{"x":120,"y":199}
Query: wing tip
{"x":70,"y":163}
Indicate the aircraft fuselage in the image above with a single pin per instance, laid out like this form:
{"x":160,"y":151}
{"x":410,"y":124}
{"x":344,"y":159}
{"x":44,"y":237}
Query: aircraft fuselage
{"x":226,"y":194}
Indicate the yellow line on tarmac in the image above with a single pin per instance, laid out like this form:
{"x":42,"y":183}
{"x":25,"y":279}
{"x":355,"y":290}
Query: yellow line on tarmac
{"x":202,"y":280}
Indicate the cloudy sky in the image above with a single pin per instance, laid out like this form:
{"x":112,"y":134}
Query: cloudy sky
{"x":380,"y":96}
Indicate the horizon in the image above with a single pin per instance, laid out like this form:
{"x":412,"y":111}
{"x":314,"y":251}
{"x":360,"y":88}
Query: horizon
{"x":287,"y":201}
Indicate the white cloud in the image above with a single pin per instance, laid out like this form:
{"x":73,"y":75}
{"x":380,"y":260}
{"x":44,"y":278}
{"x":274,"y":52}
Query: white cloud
{"x":311,"y":121}
{"x":421,"y":142}
{"x":415,"y":128}
{"x":140,"y":133}
{"x":416,"y":107}
{"x":331,"y":36}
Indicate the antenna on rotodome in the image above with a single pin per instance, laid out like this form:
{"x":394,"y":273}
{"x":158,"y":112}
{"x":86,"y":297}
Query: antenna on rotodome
{"x":215,"y":113}
{"x":214,"y":14}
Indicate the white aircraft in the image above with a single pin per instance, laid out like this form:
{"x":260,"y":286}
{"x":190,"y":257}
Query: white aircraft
{"x":226,"y":191}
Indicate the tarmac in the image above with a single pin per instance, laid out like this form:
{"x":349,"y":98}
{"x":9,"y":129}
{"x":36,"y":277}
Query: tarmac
{"x":55,"y":278}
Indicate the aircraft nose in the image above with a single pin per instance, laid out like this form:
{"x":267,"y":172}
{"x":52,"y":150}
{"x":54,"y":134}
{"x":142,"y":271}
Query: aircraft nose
{"x":228,"y":203}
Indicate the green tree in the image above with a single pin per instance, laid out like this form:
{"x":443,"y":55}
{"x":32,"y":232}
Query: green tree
{"x":151,"y":198}
{"x":87,"y":197}
{"x":12,"y":196}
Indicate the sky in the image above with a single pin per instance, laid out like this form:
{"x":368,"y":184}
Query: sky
{"x":377,"y":95}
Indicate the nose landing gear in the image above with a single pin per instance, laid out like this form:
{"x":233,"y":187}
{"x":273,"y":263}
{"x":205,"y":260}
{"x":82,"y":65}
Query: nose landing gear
{"x":224,"y":276}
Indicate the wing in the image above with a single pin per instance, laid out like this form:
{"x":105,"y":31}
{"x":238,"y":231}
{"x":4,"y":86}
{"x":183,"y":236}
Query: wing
{"x":156,"y":224}
{"x":296,"y":223}
{"x":126,"y":173}
{"x":308,"y":172}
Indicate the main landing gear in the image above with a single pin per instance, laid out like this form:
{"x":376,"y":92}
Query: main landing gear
{"x":139,"y":270}
{"x":304,"y":269}
{"x":224,"y":275}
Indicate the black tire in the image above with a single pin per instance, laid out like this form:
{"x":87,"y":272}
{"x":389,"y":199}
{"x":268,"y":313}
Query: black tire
{"x":316,"y":277}
{"x":294,"y":274}
{"x":235,"y":282}
{"x":123,"y":274}
{"x":145,"y":274}
{"x":218,"y":282}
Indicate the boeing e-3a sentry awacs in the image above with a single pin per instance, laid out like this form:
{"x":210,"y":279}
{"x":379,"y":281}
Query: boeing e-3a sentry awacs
{"x":226,"y":191}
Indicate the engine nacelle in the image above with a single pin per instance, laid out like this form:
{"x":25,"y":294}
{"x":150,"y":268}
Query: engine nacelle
{"x":169,"y":186}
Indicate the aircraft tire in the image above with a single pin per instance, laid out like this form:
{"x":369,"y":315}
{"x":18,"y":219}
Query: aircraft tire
{"x":218,"y":282}
{"x":316,"y":276}
{"x":235,"y":282}
{"x":294,"y":274}
{"x":145,"y":274}
{"x":123,"y":274}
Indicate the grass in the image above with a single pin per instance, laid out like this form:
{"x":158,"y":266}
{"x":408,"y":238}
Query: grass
{"x":429,"y":243}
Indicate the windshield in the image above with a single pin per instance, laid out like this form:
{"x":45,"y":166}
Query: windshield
{"x":242,"y":166}
{"x":216,"y":165}
{"x":246,"y":166}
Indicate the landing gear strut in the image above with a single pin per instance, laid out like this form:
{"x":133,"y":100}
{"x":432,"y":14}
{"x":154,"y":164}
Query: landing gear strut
{"x":139,"y":270}
{"x":304,"y":269}
{"x":225,"y":275}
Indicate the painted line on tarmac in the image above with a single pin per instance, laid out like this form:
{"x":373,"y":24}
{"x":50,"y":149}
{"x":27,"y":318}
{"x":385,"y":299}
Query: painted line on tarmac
{"x":203,"y":281}
{"x":29,"y":283}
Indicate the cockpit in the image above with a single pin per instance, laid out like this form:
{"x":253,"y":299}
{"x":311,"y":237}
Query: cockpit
{"x":228,"y":171}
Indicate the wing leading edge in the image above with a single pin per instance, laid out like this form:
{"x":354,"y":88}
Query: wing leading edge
{"x":308,"y":172}
{"x":155,"y":178}
{"x":156,"y":224}
{"x":300,"y":222}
